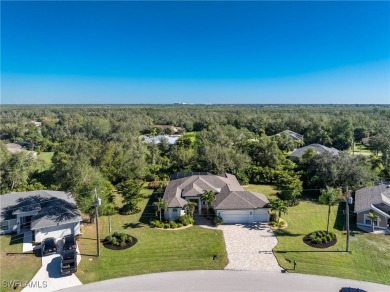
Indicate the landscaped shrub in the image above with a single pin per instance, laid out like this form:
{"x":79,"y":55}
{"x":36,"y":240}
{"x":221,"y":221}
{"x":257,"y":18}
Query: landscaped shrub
{"x":321,"y":237}
{"x":123,"y":237}
{"x":186,"y":220}
{"x":179,"y":225}
{"x":108,"y":238}
{"x":217,"y":221}
{"x":273,"y":217}
{"x":115,"y":234}
{"x":114,"y":241}
{"x":167,"y":225}
{"x":173,"y":224}
{"x":274,"y":224}
{"x":282,"y":223}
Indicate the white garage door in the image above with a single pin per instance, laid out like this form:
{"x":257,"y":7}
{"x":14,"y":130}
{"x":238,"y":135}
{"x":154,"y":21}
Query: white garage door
{"x":54,"y":231}
{"x":261,"y":215}
{"x":236,"y":216}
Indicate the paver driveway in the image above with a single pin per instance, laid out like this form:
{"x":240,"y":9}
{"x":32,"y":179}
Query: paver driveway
{"x":249,"y":247}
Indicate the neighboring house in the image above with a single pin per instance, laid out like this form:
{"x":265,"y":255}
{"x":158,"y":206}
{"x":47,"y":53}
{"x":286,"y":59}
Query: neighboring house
{"x":232,"y":203}
{"x":173,"y":129}
{"x":17,"y":148}
{"x":171,"y":139}
{"x":38,"y":124}
{"x":366,"y":141}
{"x":375,"y":199}
{"x":293,"y":135}
{"x":317,"y":147}
{"x":45,"y":213}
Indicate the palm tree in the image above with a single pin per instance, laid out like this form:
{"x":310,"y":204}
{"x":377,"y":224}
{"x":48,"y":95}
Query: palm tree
{"x":329,"y":196}
{"x":373,"y":217}
{"x":208,"y":197}
{"x":279,"y":206}
{"x":160,"y":205}
{"x":190,"y":208}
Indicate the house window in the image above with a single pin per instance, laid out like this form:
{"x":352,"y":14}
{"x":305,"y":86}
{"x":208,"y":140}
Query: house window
{"x":368,"y":221}
{"x":4,"y":225}
{"x":174,"y":210}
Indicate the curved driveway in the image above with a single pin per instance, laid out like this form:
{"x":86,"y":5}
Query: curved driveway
{"x":227,"y":281}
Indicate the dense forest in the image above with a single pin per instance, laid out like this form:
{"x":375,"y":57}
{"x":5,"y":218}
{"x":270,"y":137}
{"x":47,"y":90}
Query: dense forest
{"x":101,"y":147}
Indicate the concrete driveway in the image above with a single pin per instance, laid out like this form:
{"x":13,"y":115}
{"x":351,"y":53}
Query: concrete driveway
{"x":49,"y":278}
{"x":249,"y":247}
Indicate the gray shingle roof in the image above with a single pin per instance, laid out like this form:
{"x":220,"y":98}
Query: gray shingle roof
{"x":53,"y":207}
{"x":293,"y":135}
{"x":317,"y":147}
{"x":230,"y":194}
{"x":374,"y":195}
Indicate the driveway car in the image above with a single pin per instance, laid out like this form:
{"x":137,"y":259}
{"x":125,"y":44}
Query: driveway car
{"x":69,"y":242}
{"x":49,"y":246}
{"x":68,"y":262}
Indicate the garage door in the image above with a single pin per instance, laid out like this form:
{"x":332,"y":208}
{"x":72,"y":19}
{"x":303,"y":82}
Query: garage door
{"x":54,"y":231}
{"x":261,"y":215}
{"x":235,"y":216}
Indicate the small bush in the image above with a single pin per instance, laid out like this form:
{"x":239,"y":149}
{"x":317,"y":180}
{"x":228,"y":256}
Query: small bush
{"x":282,"y":223}
{"x":186,"y":220}
{"x":115,"y":234}
{"x":114,"y":241}
{"x":217,"y":221}
{"x":274,"y":224}
{"x":173,"y":224}
{"x":329,"y":237}
{"x":123,"y":244}
{"x":167,"y":225}
{"x":273,"y":217}
{"x":123,"y":237}
{"x":179,"y":225}
{"x":108,"y":238}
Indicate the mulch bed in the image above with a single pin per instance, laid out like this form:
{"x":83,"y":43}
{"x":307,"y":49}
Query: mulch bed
{"x":118,"y":247}
{"x":308,"y":241}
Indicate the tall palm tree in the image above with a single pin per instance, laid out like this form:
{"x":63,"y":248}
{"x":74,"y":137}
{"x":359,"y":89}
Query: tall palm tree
{"x":160,"y":205}
{"x":190,"y":208}
{"x":208,"y":197}
{"x":329,"y":196}
{"x":279,"y":206}
{"x":373,"y":217}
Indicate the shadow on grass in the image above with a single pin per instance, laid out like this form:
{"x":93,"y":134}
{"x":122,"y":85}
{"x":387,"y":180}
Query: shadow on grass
{"x":132,"y":225}
{"x":149,"y":209}
{"x":282,"y":232}
{"x":307,"y":251}
{"x":16,"y":239}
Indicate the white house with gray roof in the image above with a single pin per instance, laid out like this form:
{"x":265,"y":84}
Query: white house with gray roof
{"x":375,"y":199}
{"x":45,"y":213}
{"x":232,"y":203}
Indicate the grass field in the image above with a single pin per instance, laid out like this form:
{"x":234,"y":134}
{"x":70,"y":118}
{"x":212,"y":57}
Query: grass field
{"x":369,"y":259}
{"x":13,"y":264}
{"x":156,"y":250}
{"x":267,"y":190}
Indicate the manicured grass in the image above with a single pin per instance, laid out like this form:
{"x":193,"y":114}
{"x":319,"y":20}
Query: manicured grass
{"x":369,"y":259}
{"x":268,"y":190}
{"x":45,"y":160}
{"x":14,"y":265}
{"x":156,"y":250}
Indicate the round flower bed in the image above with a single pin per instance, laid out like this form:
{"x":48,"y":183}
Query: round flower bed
{"x":119,"y":241}
{"x":320,"y":239}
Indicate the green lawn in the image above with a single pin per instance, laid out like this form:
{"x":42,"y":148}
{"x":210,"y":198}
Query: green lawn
{"x":267,"y":190}
{"x":45,"y":160}
{"x":368,"y":260}
{"x":156,"y":250}
{"x":13,"y":264}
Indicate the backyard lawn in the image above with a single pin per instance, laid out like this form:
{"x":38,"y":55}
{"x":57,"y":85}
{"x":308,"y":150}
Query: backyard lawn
{"x":369,"y":259}
{"x":156,"y":250}
{"x":15,"y":266}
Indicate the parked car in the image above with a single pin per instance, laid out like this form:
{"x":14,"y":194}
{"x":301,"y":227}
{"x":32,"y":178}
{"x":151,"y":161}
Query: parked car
{"x":49,"y":246}
{"x":68,"y":262}
{"x":69,"y":242}
{"x":349,"y":289}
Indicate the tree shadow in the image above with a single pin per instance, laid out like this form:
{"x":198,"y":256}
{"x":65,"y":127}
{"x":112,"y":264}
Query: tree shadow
{"x":132,"y":225}
{"x":339,"y":223}
{"x":149,"y":209}
{"x":283,"y":232}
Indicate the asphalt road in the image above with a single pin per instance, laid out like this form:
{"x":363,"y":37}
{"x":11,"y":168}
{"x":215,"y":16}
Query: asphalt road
{"x":227,"y":281}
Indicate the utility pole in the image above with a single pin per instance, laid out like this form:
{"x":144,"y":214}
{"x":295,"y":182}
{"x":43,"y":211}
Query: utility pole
{"x":353,"y":143}
{"x":97,"y":222}
{"x":347,"y":217}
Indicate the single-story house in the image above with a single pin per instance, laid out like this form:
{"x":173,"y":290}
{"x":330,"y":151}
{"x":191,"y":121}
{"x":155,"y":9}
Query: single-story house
{"x":375,"y":199}
{"x":317,"y":147}
{"x":45,"y":213}
{"x":171,"y":139}
{"x":295,"y":136}
{"x":232,"y":203}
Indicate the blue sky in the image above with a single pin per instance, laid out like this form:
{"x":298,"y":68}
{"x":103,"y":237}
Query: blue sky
{"x":195,"y":52}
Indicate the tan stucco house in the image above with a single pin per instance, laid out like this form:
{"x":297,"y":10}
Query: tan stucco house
{"x":375,"y":199}
{"x":232,"y":203}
